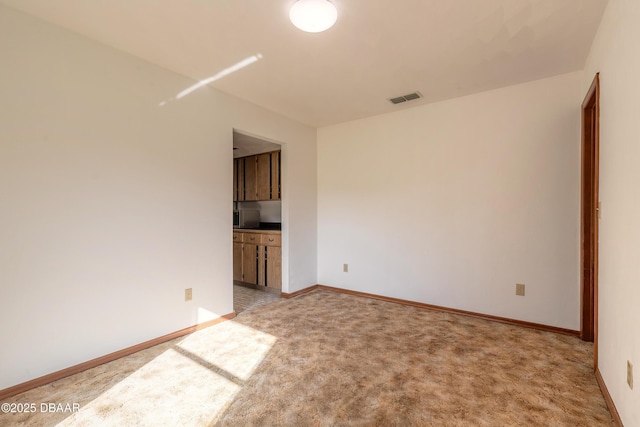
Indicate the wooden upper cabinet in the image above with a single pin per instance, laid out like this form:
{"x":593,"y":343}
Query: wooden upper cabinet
{"x":251,"y":178}
{"x":264,"y":176}
{"x":257,"y":177}
{"x":235,"y":180}
{"x":275,"y":176}
{"x":238,"y":180}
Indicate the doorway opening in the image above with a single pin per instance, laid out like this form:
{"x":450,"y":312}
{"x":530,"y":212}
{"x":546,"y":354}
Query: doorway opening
{"x":257,"y":221}
{"x":589,"y":214}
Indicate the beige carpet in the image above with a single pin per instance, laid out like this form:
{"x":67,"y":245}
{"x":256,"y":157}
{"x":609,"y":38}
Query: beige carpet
{"x":329,"y":359}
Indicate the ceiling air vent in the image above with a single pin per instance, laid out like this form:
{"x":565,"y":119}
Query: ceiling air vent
{"x":405,"y":98}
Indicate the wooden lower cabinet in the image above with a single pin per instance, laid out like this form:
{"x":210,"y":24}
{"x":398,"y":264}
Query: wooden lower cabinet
{"x":273,"y":267}
{"x":250,"y":263}
{"x":257,"y":259}
{"x":237,"y":261}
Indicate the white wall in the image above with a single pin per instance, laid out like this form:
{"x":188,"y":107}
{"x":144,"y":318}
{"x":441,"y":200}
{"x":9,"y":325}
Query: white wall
{"x":453,"y":203}
{"x":616,"y":55}
{"x":112,"y":205}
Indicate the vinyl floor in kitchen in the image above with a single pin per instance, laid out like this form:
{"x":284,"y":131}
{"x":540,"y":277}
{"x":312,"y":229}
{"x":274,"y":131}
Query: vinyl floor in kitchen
{"x":245,"y":298}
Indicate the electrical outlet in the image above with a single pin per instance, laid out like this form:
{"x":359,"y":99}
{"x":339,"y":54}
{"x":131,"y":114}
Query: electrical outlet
{"x":345,"y":268}
{"x":188,"y":294}
{"x":520,"y":289}
{"x":630,"y":374}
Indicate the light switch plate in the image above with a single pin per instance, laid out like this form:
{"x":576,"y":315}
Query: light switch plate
{"x":520,"y":289}
{"x":188,"y":294}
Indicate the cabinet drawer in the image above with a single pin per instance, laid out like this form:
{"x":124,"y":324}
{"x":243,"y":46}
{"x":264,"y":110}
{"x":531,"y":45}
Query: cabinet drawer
{"x":252,"y":238}
{"x":271,"y":240}
{"x":238,"y":237}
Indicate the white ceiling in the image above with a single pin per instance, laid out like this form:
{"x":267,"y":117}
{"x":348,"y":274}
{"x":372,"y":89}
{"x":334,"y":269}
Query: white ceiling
{"x":378,"y":49}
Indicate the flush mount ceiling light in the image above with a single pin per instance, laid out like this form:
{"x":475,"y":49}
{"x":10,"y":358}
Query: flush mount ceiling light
{"x":313,"y":16}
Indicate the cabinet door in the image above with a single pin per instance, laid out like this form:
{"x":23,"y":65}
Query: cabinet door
{"x":251,"y":178}
{"x":240,"y":178}
{"x":237,"y":261}
{"x":273,"y":267}
{"x":235,"y":180}
{"x":275,"y":176}
{"x":262,"y":266}
{"x":250,"y":263}
{"x":264,"y":176}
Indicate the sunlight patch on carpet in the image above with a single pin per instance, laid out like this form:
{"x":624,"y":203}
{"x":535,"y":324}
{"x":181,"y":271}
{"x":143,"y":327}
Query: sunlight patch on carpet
{"x":234,"y":348}
{"x":170,"y":388}
{"x":192,"y":382}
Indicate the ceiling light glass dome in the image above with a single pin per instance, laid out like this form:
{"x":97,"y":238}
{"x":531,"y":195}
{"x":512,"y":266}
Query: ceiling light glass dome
{"x":313,"y":16}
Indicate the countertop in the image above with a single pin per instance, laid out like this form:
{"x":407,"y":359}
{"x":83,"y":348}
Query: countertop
{"x":256,"y":230}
